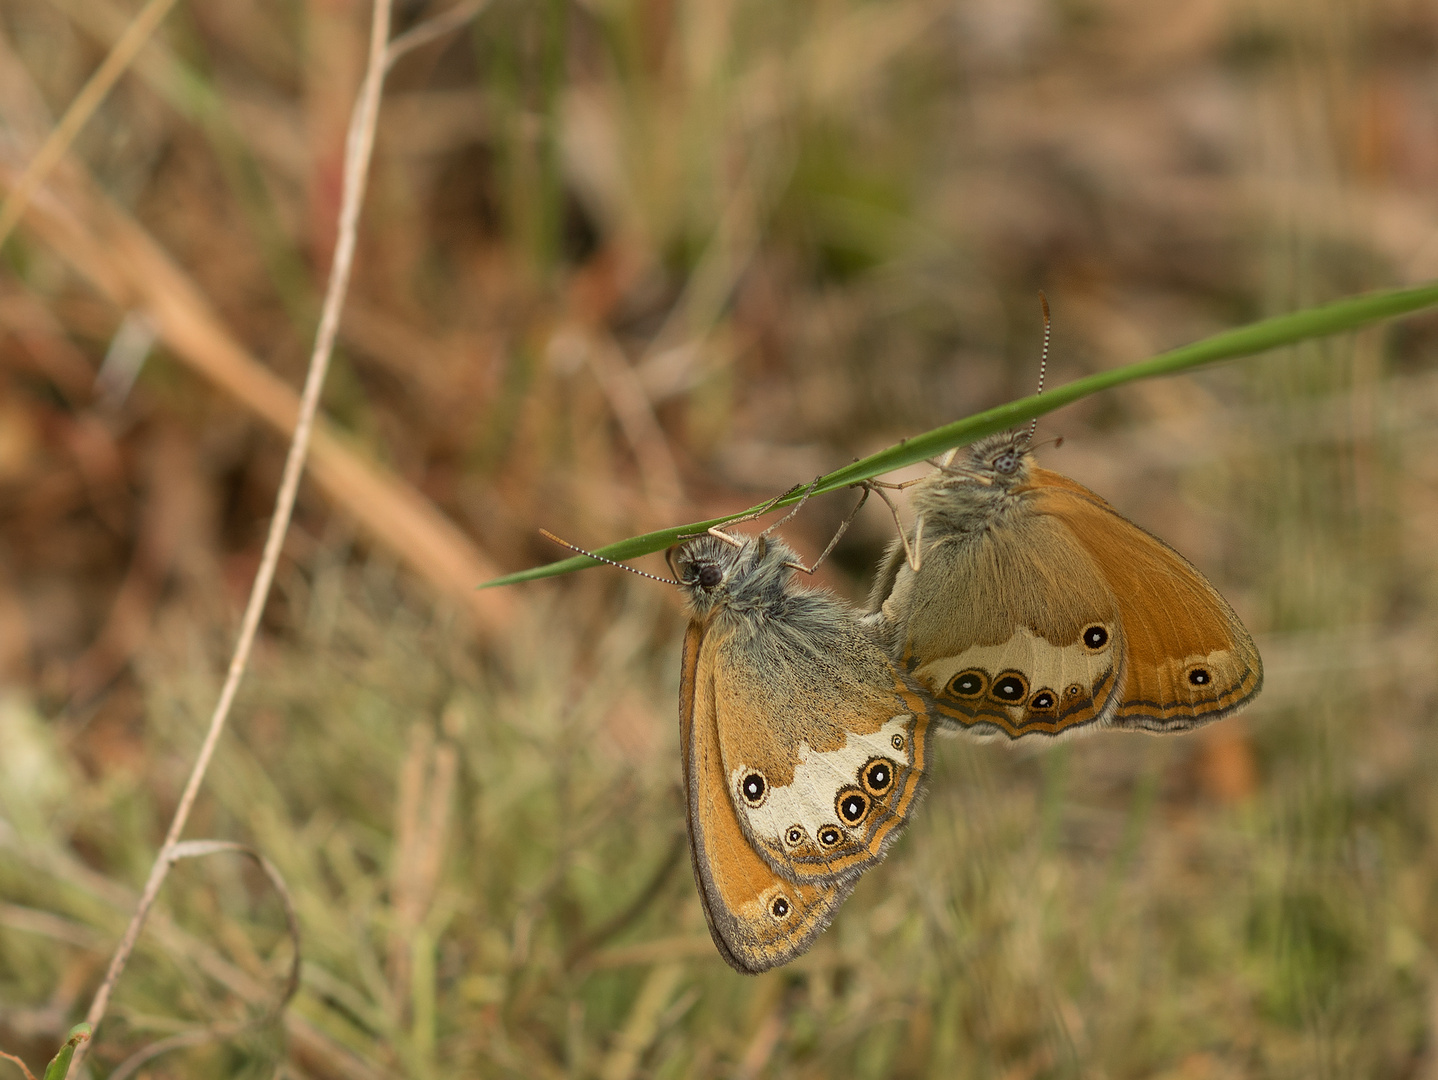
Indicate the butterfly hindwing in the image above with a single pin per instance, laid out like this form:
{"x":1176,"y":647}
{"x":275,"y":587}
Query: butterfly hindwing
{"x":824,"y":742}
{"x":1009,"y":639}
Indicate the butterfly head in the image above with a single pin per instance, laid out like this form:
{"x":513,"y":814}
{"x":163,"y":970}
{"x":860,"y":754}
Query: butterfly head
{"x":977,"y":479}
{"x":717,"y":572}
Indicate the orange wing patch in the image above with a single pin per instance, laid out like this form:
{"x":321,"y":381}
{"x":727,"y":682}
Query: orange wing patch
{"x":1189,"y":659}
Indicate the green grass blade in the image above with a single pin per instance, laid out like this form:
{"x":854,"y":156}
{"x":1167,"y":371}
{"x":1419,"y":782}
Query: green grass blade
{"x":1349,"y":314}
{"x":60,"y":1063}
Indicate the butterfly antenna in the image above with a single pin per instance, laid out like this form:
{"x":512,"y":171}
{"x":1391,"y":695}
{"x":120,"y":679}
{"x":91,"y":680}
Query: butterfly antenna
{"x":600,"y":558}
{"x":1043,"y":358}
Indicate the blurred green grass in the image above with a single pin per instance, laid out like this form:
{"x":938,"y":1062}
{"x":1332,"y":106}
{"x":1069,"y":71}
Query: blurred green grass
{"x":808,"y":230}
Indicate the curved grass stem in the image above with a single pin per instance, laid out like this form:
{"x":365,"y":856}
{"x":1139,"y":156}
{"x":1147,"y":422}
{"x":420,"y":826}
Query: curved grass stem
{"x":1340,"y":316}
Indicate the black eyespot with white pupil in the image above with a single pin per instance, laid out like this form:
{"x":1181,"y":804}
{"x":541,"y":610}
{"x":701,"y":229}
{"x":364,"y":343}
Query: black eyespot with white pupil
{"x":897,"y":742}
{"x":877,"y":776}
{"x":1044,"y":699}
{"x":753,"y":788}
{"x":1200,"y":677}
{"x":852,"y":805}
{"x":1095,"y":637}
{"x":1010,"y":687}
{"x":794,"y":835}
{"x":829,"y":835}
{"x":779,"y":908}
{"x":967,"y":684}
{"x":710,"y":576}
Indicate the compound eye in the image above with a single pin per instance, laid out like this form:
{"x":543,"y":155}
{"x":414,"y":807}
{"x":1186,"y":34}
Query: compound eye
{"x":710,"y":576}
{"x":1006,"y":462}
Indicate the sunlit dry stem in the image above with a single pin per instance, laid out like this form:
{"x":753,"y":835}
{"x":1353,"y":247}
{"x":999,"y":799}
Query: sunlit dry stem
{"x":358,"y":149}
{"x":81,"y":109}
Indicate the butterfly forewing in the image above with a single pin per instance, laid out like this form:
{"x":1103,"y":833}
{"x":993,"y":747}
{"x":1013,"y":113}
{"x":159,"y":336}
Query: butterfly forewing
{"x":757,"y":919}
{"x":1190,"y":660}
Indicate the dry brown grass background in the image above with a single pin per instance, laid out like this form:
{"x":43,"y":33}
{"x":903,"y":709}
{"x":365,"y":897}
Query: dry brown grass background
{"x":628,"y":264}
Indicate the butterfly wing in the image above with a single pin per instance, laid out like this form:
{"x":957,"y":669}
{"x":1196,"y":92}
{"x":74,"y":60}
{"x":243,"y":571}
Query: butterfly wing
{"x":1189,"y":659}
{"x":1013,"y":629}
{"x":758,"y":919}
{"x":823,"y":741}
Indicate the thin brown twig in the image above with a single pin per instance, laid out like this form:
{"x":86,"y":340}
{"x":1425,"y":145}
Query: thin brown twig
{"x":199,"y":849}
{"x":80,"y":110}
{"x":124,"y":263}
{"x":196,"y":849}
{"x":431,"y":29}
{"x":24,"y":1068}
{"x":306,"y":1039}
{"x":358,"y":150}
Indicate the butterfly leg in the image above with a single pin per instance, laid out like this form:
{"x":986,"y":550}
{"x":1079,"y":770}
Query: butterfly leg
{"x":797,"y":506}
{"x":913,"y":555}
{"x":716,"y":530}
{"x":834,"y":541}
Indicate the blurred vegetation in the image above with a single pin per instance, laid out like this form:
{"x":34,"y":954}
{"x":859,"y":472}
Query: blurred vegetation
{"x":630,"y":262}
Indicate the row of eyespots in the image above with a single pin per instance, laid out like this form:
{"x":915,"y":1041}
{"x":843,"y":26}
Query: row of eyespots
{"x":877,"y":776}
{"x":852,"y":804}
{"x":1009,"y":687}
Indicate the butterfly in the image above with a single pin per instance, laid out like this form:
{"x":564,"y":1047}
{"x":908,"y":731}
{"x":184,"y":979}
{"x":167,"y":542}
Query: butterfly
{"x":1026,"y":604}
{"x":805,"y":747}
